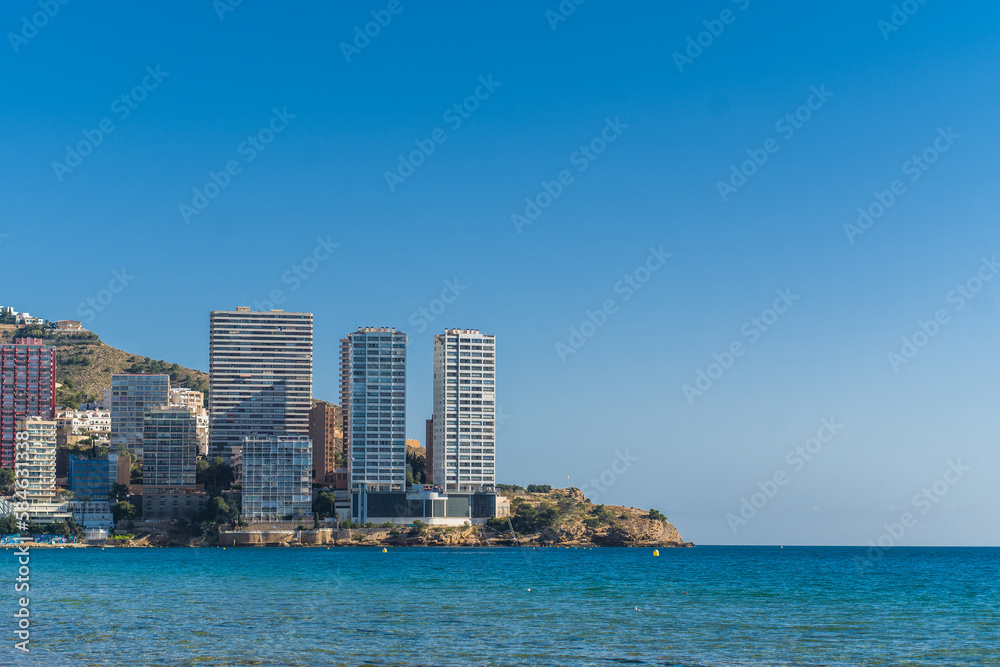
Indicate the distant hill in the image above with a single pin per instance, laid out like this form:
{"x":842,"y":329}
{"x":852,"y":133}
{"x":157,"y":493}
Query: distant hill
{"x":85,"y":364}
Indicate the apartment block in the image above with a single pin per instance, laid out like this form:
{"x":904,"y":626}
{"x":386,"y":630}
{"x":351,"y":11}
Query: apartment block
{"x":88,"y":478}
{"x":36,"y":459}
{"x":260,"y":365}
{"x":373,"y":399}
{"x":131,"y":395}
{"x":170,"y":447}
{"x":326,"y":431}
{"x":195,"y":402}
{"x":464,"y":428}
{"x":276,"y":476}
{"x":27,"y":388}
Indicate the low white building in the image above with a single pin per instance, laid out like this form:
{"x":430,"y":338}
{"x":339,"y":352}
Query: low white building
{"x":25,"y":319}
{"x":84,"y":421}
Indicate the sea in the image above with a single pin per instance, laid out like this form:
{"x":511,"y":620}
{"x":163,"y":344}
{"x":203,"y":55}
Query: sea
{"x":706,"y":606}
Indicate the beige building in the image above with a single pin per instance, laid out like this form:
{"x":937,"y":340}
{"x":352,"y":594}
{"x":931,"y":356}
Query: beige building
{"x":35,"y":459}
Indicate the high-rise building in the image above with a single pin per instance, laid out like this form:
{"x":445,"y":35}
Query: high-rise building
{"x":36,"y":459}
{"x":131,"y":395}
{"x":170,"y":446}
{"x":464,"y":443}
{"x":373,"y":399}
{"x":195,"y":401}
{"x":27,"y":389}
{"x":276,"y":476}
{"x":260,"y":365}
{"x":327,"y":434}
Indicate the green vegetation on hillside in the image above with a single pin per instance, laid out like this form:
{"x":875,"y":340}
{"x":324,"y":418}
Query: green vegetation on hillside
{"x":84,"y":364}
{"x":179,"y":376}
{"x":48,"y":331}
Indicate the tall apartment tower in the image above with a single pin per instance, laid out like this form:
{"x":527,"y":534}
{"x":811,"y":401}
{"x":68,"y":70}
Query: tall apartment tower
{"x":131,"y":395}
{"x":36,"y":460}
{"x":464,"y":438}
{"x":373,"y":400}
{"x":260,"y":366}
{"x":170,"y":446}
{"x":27,"y":389}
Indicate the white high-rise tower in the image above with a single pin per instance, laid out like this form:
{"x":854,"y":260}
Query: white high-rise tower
{"x":464,"y":431}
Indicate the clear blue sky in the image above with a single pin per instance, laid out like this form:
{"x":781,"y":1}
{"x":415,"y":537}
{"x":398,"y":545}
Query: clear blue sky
{"x":887,"y":93}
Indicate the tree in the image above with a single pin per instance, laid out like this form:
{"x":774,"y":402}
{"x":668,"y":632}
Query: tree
{"x":8,"y":525}
{"x":221,"y":511}
{"x":418,"y":464}
{"x":539,"y":488}
{"x":119,"y":492}
{"x":419,"y":528}
{"x":58,"y":528}
{"x":124,"y":510}
{"x":136,"y":476}
{"x":216,"y":475}
{"x":325,"y":504}
{"x":7,"y":478}
{"x":656,"y":515}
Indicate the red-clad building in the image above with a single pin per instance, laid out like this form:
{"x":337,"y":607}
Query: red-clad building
{"x":27,"y":389}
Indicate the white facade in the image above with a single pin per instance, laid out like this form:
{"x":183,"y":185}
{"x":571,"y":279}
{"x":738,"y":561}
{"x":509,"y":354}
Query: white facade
{"x":84,"y":421}
{"x":35,"y":459}
{"x":260,"y":365}
{"x":464,"y":446}
{"x":373,"y":400}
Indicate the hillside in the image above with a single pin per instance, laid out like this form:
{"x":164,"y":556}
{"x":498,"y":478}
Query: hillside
{"x":85,"y":364}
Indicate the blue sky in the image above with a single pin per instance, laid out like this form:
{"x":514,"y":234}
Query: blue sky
{"x":886,"y":95}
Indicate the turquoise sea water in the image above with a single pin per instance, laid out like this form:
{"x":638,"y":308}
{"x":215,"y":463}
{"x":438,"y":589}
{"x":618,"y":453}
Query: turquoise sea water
{"x":420,"y":606}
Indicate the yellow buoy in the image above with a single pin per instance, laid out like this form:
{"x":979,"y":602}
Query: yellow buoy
{"x":656,"y":552}
{"x":384,"y":550}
